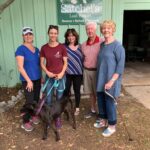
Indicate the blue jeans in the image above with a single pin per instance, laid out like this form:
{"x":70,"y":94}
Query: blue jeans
{"x":59,"y":89}
{"x":107,"y":108}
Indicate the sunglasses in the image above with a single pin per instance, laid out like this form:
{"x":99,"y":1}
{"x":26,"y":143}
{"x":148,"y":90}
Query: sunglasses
{"x":27,"y":29}
{"x":71,"y":29}
{"x":53,"y":27}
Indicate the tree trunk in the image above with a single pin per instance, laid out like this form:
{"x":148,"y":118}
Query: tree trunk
{"x":5,"y":5}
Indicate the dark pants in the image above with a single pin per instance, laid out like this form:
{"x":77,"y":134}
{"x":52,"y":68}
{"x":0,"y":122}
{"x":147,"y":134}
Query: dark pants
{"x":30,"y":98}
{"x":107,"y":108}
{"x":76,"y":80}
{"x":33,"y":95}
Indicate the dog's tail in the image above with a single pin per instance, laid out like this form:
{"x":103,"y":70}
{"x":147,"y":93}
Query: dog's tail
{"x":65,"y":100}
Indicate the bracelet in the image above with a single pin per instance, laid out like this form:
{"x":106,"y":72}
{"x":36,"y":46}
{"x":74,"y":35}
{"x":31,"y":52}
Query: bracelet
{"x":113,"y":80}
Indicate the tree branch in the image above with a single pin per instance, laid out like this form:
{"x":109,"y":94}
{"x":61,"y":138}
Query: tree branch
{"x":5,"y":5}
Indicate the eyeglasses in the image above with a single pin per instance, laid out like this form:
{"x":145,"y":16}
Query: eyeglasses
{"x":53,"y":27}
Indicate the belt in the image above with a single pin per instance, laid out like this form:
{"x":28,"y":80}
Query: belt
{"x":90,"y":69}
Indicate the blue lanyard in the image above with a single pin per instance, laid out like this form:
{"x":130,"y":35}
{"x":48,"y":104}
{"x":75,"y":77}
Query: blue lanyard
{"x":55,"y":85}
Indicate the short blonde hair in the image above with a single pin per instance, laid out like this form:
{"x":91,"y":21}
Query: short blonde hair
{"x":110,"y":23}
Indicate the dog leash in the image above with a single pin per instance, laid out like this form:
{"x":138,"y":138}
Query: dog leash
{"x":107,"y":93}
{"x":55,"y":85}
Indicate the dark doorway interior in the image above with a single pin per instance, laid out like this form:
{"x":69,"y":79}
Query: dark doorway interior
{"x":136,"y":35}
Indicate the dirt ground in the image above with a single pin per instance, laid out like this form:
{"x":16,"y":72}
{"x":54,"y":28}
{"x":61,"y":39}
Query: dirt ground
{"x":6,"y":93}
{"x":86,"y":137}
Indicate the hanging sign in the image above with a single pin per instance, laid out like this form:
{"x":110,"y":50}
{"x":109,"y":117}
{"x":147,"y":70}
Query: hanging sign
{"x":79,"y":11}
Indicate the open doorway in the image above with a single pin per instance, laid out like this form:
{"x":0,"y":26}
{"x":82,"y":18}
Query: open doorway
{"x":136,"y":40}
{"x":136,"y":35}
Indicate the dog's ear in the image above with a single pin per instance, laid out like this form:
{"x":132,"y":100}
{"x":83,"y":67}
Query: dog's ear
{"x":32,"y":106}
{"x":35,"y":104}
{"x":28,"y":106}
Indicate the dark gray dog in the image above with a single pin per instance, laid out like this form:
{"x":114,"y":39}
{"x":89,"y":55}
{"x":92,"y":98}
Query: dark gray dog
{"x":49,"y":114}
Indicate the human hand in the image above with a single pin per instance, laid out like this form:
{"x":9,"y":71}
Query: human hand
{"x":59,"y":76}
{"x":29,"y":86}
{"x":50,"y":74}
{"x":109,"y":85}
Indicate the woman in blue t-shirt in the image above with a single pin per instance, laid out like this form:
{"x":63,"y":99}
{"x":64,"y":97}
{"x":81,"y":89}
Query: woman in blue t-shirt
{"x":75,"y":65}
{"x":28,"y":62}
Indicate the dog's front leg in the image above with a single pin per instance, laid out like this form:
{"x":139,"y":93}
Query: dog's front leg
{"x":56,"y":132}
{"x":45,"y":131}
{"x":72,"y":114}
{"x":73,"y":119}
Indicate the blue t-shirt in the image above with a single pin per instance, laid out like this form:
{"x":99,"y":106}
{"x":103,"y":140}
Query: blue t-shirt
{"x":31,"y":62}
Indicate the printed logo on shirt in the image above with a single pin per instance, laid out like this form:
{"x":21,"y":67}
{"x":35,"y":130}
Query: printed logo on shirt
{"x":57,"y":55}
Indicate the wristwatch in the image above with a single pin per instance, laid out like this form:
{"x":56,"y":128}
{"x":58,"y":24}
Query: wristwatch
{"x":113,"y":79}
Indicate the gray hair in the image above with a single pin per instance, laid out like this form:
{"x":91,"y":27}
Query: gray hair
{"x":91,"y":23}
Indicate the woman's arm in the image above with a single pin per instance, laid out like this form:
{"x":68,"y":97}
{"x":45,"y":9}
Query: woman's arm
{"x":110,"y":83}
{"x":49,"y":74}
{"x":20,"y":63}
{"x":61,"y":74}
{"x":120,"y":61}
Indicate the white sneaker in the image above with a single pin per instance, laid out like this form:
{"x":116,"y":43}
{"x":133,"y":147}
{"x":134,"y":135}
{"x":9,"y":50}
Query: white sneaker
{"x":90,"y":114}
{"x":108,"y":132}
{"x":99,"y":125}
{"x":27,"y":126}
